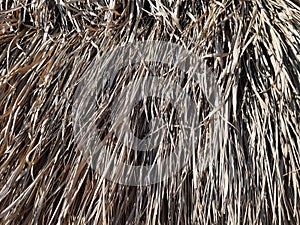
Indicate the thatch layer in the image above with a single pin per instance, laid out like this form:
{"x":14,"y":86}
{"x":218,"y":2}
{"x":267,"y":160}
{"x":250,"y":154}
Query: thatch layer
{"x":252,"y":177}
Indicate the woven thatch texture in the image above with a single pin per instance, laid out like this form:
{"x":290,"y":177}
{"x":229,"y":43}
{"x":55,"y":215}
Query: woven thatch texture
{"x":252,"y":46}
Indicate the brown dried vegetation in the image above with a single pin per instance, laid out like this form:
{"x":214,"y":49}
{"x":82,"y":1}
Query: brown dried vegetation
{"x":253,"y":48}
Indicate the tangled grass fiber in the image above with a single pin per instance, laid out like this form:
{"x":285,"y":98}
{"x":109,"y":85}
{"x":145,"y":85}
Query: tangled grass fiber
{"x":253,"y":48}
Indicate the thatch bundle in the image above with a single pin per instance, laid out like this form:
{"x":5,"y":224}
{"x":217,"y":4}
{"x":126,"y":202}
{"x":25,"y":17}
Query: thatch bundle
{"x":251,"y":177}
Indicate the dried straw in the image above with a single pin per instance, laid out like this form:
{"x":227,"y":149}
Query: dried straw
{"x":252,"y":46}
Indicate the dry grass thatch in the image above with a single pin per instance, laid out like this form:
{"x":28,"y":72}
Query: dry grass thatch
{"x":252,"y":177}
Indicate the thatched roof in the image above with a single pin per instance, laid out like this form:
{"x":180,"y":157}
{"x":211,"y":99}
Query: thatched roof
{"x":250,"y":177}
